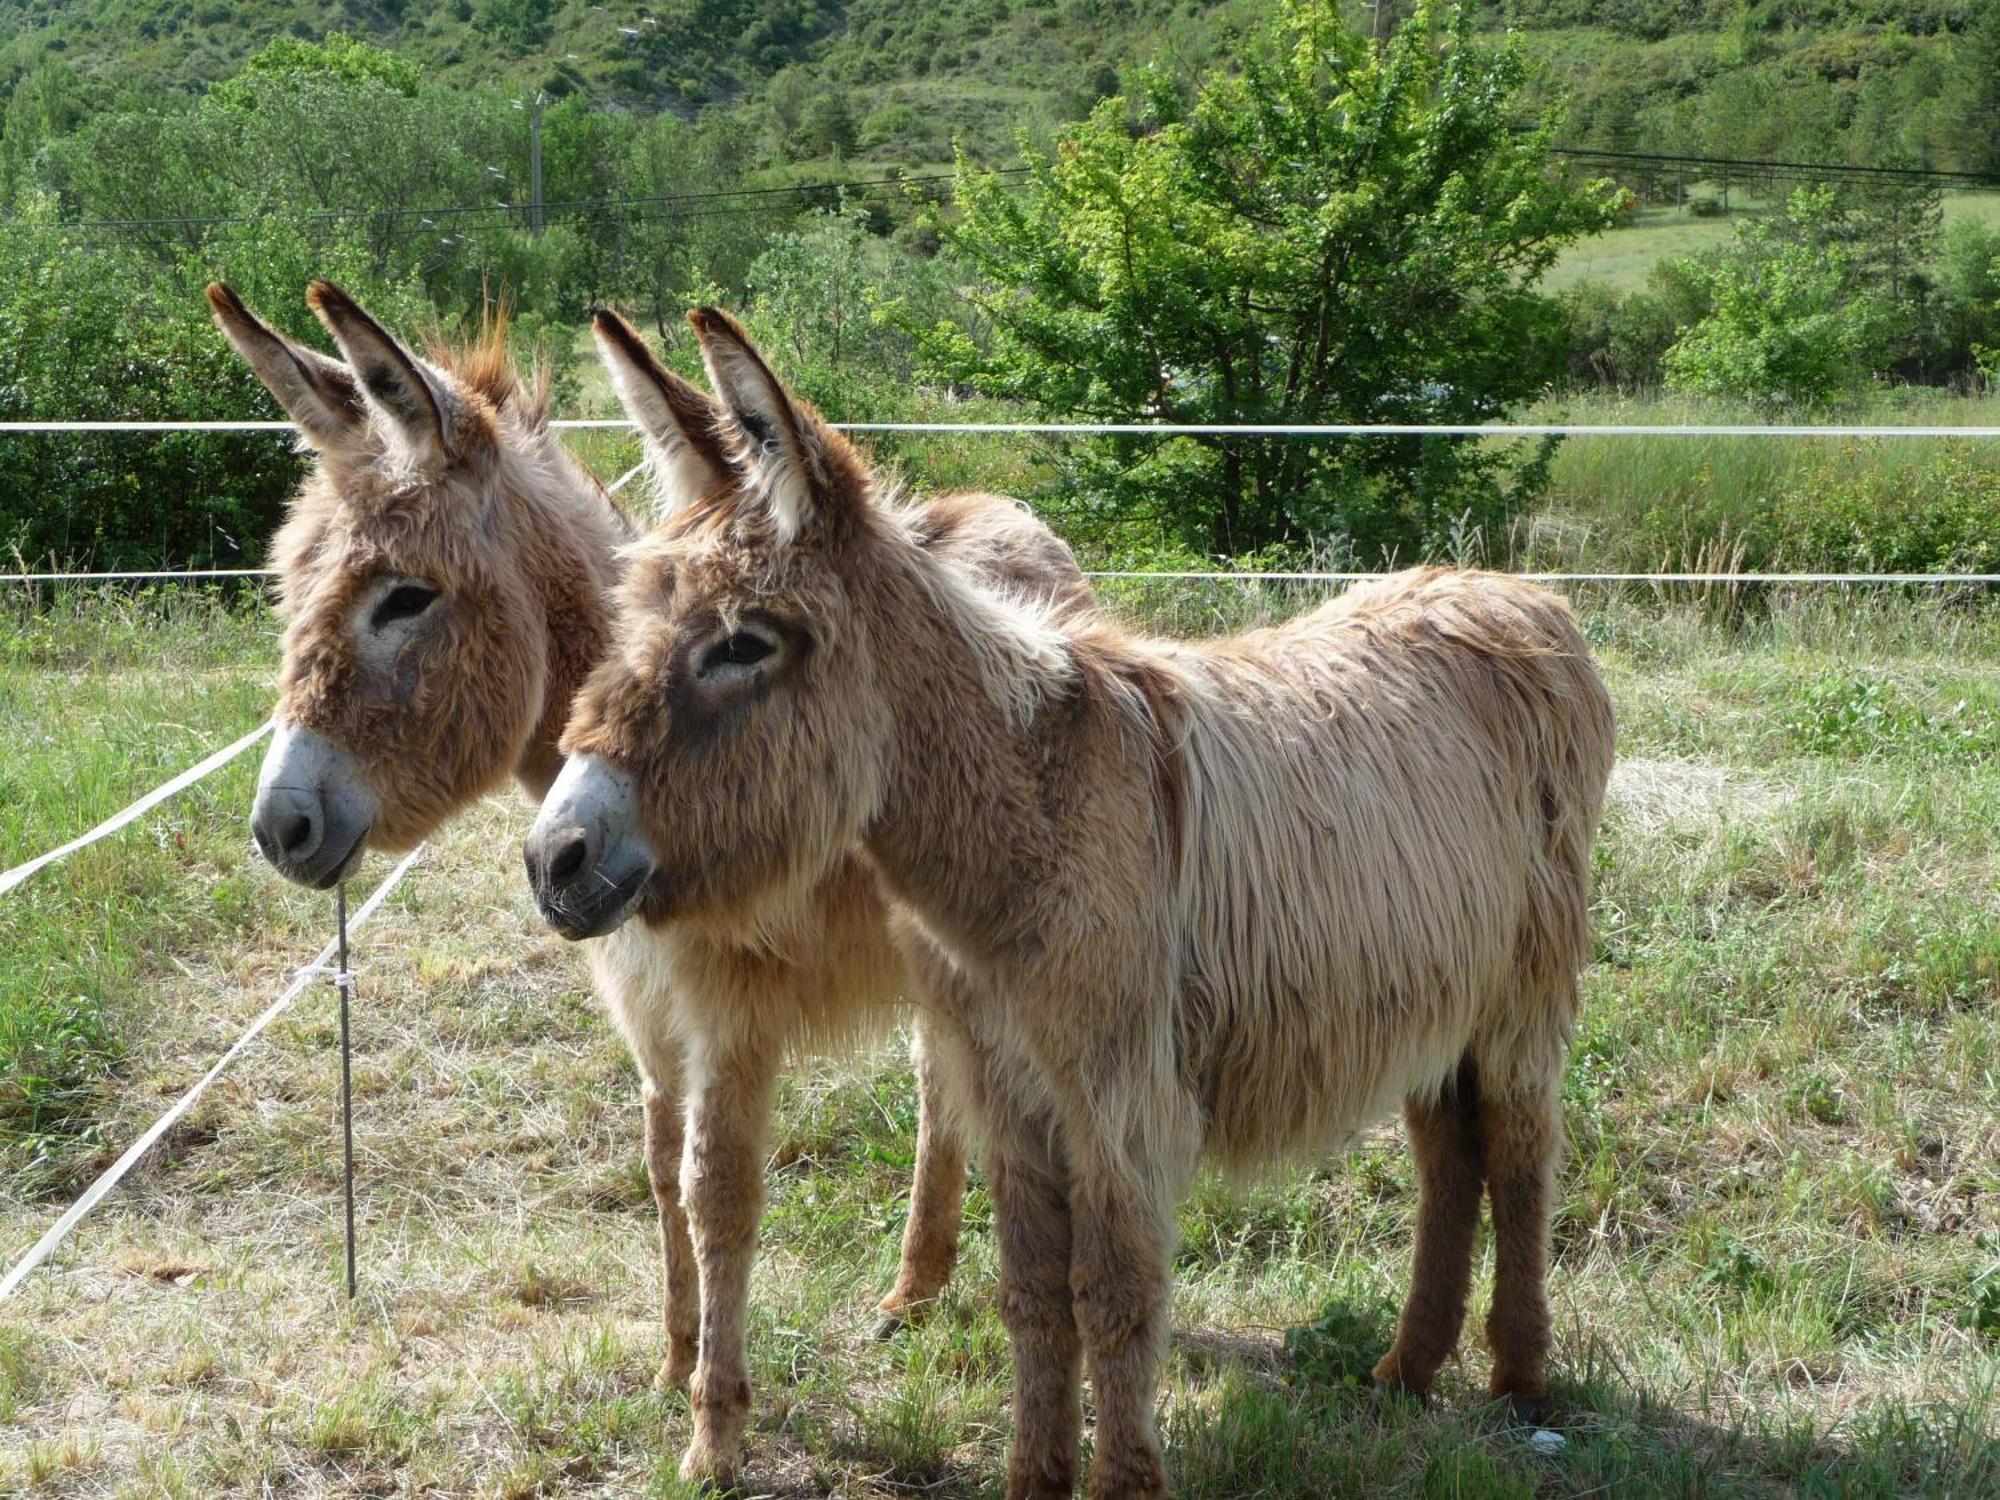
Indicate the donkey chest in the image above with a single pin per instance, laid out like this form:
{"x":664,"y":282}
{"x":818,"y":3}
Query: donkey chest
{"x":677,"y":984}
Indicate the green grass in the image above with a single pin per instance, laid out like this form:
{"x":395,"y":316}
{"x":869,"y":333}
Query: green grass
{"x":1778,"y":1236}
{"x":104,"y":696}
{"x":1624,"y":257}
{"x":1890,"y":505}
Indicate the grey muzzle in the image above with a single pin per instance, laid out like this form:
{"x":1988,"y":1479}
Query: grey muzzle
{"x":586,"y":860}
{"x":314,"y":808}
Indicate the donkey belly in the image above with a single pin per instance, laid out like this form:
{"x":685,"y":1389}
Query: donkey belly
{"x":1313,"y":1012}
{"x":1339,"y":1066}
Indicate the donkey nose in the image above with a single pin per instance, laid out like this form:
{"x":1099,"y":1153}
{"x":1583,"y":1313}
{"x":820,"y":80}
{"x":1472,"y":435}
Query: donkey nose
{"x":555,"y":857}
{"x":567,"y":860}
{"x":287,"y":823}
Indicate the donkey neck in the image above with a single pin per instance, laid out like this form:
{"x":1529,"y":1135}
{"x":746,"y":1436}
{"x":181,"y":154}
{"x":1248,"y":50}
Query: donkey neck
{"x":986,"y":729}
{"x":569,"y":557}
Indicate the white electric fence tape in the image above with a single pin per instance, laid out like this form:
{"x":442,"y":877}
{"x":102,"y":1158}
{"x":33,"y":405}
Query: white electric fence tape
{"x":146,"y":803}
{"x":1735,"y":578}
{"x":1190,"y":429}
{"x":95,"y":1193}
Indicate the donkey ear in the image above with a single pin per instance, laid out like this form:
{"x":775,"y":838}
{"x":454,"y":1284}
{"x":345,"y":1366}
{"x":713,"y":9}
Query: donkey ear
{"x":394,"y":381}
{"x":316,"y":392}
{"x":785,"y":442}
{"x":685,"y":431}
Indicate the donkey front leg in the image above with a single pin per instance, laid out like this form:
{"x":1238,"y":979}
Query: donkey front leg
{"x":723,"y":1175}
{"x":663,"y":1170}
{"x":937,"y":1200}
{"x":1120,"y":1273}
{"x":1031,"y":1222}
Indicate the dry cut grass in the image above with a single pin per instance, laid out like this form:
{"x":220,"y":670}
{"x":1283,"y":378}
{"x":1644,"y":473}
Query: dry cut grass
{"x":1778,"y":1240}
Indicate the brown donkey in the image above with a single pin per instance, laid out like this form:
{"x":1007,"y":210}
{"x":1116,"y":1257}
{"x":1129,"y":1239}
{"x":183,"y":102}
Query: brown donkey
{"x":1231,"y":899}
{"x":445,"y":573}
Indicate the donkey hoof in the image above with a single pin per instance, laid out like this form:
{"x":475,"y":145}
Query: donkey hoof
{"x":713,"y":1471}
{"x":899,"y":1313}
{"x":1528,"y":1411}
{"x":1388,"y":1379}
{"x":1388,"y":1388}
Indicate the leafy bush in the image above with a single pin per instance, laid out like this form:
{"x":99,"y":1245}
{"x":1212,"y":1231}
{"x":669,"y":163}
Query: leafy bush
{"x":1961,"y":318}
{"x":1337,"y":232}
{"x":1342,"y":1346}
{"x":1791,"y":321}
{"x":84,"y":336}
{"x":1619,"y":341}
{"x":88,"y":333}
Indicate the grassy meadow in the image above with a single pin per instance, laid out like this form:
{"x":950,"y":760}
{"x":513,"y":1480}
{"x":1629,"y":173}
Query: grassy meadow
{"x":101,"y":699}
{"x":1821,"y":504}
{"x":1778,"y":1242}
{"x":1624,"y":257}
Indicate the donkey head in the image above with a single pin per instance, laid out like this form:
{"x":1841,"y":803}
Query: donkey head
{"x":731,"y":745}
{"x":416,"y":586}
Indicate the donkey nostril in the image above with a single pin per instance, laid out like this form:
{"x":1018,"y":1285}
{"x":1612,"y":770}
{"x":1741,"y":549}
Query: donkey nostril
{"x":296,"y":832}
{"x":568,"y":860}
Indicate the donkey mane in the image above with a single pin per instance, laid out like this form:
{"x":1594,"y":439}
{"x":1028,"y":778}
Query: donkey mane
{"x":1023,"y":658}
{"x":483,"y":363}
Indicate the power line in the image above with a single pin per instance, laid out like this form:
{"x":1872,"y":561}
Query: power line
{"x":631,"y":208}
{"x":1819,"y":170}
{"x":557,"y":205}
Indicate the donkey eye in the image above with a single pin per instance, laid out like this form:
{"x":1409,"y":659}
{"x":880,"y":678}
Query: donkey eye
{"x":403,"y":602}
{"x":742,"y":649}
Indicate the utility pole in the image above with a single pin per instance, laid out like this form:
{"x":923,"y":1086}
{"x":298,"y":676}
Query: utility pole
{"x":535,"y":165}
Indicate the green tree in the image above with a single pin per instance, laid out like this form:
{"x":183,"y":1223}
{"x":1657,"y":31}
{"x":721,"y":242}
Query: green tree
{"x":667,"y":251}
{"x":1341,"y":231}
{"x":1973,"y":99}
{"x":338,"y":56}
{"x":840,"y":304}
{"x":90,"y":332}
{"x":519,"y":24}
{"x":46,"y":104}
{"x":1964,"y":313}
{"x":826,"y":128}
{"x":1792,"y":319}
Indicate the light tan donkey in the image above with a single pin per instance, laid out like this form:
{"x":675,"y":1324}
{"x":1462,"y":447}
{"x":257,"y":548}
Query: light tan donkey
{"x":445,"y":573}
{"x":1232,"y":899}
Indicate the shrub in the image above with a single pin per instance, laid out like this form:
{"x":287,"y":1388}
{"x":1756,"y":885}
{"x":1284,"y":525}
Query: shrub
{"x":89,"y":333}
{"x":1186,"y":272}
{"x":1791,"y":323}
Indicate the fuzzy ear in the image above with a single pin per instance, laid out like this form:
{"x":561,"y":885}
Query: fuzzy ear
{"x":316,"y":392}
{"x":784,"y":440}
{"x":686,"y":432}
{"x":395,"y":383}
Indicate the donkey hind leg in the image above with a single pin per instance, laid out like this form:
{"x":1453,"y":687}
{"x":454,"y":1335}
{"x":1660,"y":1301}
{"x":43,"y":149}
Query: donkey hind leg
{"x":1522,"y":1132}
{"x":728,"y":1123}
{"x":663,"y":1170}
{"x":1031,"y":1219}
{"x":937,"y":1197}
{"x":1445,"y":1139}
